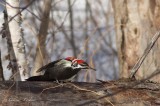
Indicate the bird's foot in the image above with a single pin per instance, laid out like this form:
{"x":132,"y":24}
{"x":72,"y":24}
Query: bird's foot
{"x":60,"y":83}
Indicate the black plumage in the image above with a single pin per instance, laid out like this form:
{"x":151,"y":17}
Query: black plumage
{"x":56,"y":71}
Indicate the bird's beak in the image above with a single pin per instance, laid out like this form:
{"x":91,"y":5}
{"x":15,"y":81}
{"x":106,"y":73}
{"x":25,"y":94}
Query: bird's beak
{"x":88,"y":67}
{"x":91,"y":68}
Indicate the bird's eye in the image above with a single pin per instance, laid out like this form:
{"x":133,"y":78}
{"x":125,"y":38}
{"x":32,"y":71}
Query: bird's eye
{"x":74,"y":64}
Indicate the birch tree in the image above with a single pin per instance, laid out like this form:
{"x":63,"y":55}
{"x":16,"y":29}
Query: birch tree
{"x":14,"y":23}
{"x":1,"y":69}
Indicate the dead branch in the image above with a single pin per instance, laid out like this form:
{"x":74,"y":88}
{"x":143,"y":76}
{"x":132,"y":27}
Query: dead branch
{"x":147,"y":50}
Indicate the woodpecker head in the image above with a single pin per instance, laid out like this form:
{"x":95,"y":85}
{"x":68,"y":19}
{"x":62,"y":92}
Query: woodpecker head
{"x":66,"y":62}
{"x":80,"y":64}
{"x":75,"y":63}
{"x":70,"y":58}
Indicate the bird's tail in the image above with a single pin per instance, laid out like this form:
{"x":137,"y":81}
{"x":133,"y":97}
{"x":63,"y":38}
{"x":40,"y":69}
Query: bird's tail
{"x":36,"y":78}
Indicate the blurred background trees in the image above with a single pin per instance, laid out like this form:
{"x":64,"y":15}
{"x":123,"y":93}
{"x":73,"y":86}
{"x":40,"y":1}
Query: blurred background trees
{"x":136,"y":23}
{"x":54,"y":29}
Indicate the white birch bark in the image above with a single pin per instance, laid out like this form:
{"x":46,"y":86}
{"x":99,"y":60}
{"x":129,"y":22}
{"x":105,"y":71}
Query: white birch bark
{"x":17,"y":38}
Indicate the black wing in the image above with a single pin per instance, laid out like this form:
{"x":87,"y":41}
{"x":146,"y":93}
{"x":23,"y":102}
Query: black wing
{"x":49,"y":65}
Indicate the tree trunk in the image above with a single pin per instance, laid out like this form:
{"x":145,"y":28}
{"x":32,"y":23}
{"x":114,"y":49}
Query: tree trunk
{"x":12,"y":64}
{"x":41,"y":48}
{"x":113,"y":93}
{"x":136,"y":22}
{"x":15,"y":29}
{"x":72,"y":40}
{"x":1,"y":69}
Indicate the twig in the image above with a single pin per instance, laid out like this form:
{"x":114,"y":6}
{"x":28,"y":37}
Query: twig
{"x":61,"y":26}
{"x":82,"y":89}
{"x":6,"y":95}
{"x":147,"y":50}
{"x":126,"y":87}
{"x":22,"y":9}
{"x":51,"y":88}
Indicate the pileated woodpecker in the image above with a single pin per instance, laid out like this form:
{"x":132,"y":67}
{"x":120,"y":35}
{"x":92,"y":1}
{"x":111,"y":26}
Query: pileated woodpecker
{"x":60,"y":70}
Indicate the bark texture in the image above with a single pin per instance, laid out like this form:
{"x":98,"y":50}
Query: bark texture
{"x":114,"y":93}
{"x":1,"y":69}
{"x":12,"y":65}
{"x":14,"y":23}
{"x":136,"y":22}
{"x":42,"y":35}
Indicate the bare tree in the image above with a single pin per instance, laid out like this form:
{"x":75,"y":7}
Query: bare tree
{"x":17,"y":38}
{"x":72,"y":28}
{"x":12,"y":65}
{"x":67,"y":23}
{"x":136,"y":22}
{"x":41,"y":48}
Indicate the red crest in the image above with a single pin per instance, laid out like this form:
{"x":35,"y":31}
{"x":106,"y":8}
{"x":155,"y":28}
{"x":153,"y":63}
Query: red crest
{"x":70,"y":58}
